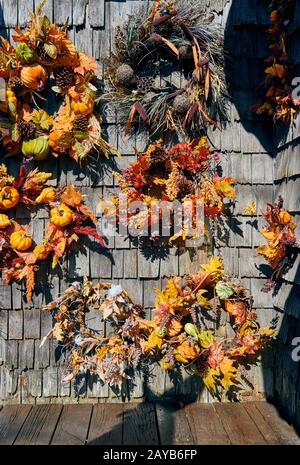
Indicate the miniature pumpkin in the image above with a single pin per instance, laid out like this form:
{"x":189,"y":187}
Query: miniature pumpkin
{"x":46,"y":196}
{"x":4,"y":221}
{"x":61,"y":216}
{"x":34,"y":77}
{"x":9,"y":197}
{"x":83,"y":107}
{"x":37,"y":148}
{"x":58,"y":141}
{"x":20,"y":240}
{"x":40,"y":252}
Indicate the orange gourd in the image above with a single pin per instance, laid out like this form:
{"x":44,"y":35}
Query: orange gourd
{"x":34,"y":77}
{"x":83,"y":107}
{"x":61,"y":216}
{"x":20,"y":240}
{"x":40,"y":252}
{"x":56,"y":142}
{"x":9,"y":197}
{"x":4,"y":221}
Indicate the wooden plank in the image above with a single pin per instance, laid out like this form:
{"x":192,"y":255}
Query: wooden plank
{"x":270,"y":436}
{"x":106,"y":425}
{"x":281,"y":428}
{"x":140,"y":424}
{"x":173,"y":425}
{"x":73,"y":425}
{"x":205,"y":425}
{"x":12,"y":418}
{"x":238,"y":425}
{"x":40,"y":425}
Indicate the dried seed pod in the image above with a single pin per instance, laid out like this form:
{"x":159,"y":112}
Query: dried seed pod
{"x":125,"y":75}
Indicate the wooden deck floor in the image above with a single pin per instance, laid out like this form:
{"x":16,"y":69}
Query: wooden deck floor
{"x":147,"y":424}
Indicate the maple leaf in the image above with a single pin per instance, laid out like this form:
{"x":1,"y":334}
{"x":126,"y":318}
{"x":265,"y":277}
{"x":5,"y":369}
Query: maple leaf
{"x":238,"y":310}
{"x":42,"y":119}
{"x":170,"y":295}
{"x":209,"y":379}
{"x":224,"y":187}
{"x":71,"y":196}
{"x":214,"y":266}
{"x":228,"y":371}
{"x":153,"y":342}
{"x":250,"y":209}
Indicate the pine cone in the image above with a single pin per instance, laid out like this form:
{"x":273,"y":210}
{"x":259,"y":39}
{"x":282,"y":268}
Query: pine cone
{"x":145,"y":84}
{"x":42,"y":54}
{"x":15,"y":84}
{"x":81,"y":123}
{"x":185,"y":187}
{"x":158,"y":157}
{"x":26,"y":129}
{"x":64,"y":77}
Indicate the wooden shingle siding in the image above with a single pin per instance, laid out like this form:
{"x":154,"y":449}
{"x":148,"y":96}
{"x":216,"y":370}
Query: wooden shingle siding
{"x":31,"y":374}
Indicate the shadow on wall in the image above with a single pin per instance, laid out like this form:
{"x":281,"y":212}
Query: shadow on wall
{"x":247,"y":46}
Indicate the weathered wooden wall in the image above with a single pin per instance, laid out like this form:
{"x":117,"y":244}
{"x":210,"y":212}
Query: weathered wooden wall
{"x":30,"y":374}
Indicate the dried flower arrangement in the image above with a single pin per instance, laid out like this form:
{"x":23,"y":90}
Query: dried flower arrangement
{"x":176,"y":336}
{"x":280,"y":234}
{"x":44,"y":52}
{"x":279,"y":102}
{"x":176,"y":33}
{"x":179,"y":173}
{"x":69,"y":218}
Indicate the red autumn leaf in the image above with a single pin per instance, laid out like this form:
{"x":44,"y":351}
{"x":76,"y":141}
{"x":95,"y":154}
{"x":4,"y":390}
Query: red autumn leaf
{"x":89,"y":231}
{"x":20,"y":178}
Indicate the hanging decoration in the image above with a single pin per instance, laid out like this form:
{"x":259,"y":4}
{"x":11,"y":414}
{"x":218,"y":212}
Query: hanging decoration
{"x":280,"y":234}
{"x":69,"y":219}
{"x":45,"y":67}
{"x":279,"y":102}
{"x":172,"y":35}
{"x":176,"y":336}
{"x":179,"y":173}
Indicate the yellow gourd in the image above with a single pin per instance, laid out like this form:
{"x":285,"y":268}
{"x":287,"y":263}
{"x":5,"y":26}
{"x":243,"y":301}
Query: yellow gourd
{"x":40,"y":252}
{"x":9,"y":197}
{"x":4,"y":221}
{"x":61,"y":216}
{"x":83,"y":107}
{"x":20,"y":240}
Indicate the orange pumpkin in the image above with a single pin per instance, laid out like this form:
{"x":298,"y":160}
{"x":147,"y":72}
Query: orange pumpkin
{"x":40,"y":252}
{"x":57,"y":141}
{"x":9,"y":197}
{"x":4,"y":221}
{"x":20,"y":240}
{"x":61,"y":216}
{"x":83,"y":107}
{"x":34,"y":77}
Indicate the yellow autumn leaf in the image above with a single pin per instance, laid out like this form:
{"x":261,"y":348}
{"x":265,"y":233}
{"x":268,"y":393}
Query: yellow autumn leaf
{"x":169,"y":296}
{"x":166,"y":365}
{"x":206,"y":338}
{"x":209,"y":379}
{"x":46,"y":196}
{"x":101,"y":352}
{"x":214,"y":266}
{"x":250,"y":209}
{"x":266,"y":331}
{"x":228,"y":371}
{"x":202,"y":301}
{"x":153,"y":341}
{"x":42,"y":119}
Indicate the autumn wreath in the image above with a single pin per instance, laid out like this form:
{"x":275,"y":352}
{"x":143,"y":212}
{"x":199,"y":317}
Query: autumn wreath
{"x":176,"y":34}
{"x":69,"y":218}
{"x":279,"y":102}
{"x":176,"y":336}
{"x":46,"y":65}
{"x":184,"y":172}
{"x":282,"y":242}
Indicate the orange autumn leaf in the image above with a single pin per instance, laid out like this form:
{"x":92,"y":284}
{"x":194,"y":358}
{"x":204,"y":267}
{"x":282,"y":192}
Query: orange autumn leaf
{"x":71,"y":196}
{"x":237,"y":309}
{"x":224,"y":187}
{"x":87,"y":63}
{"x":276,"y":70}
